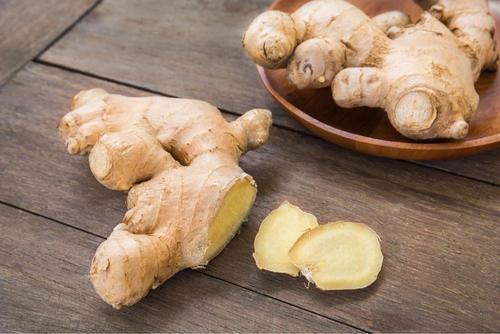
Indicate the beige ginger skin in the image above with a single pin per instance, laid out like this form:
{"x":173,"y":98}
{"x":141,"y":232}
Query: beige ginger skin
{"x":422,"y":74}
{"x":187,"y":195}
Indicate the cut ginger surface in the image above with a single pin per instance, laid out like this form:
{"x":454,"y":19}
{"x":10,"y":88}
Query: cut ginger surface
{"x":338,"y":256}
{"x":277,"y":234}
{"x":333,"y":256}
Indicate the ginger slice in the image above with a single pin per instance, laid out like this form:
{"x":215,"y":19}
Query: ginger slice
{"x":277,"y":234}
{"x":338,"y":256}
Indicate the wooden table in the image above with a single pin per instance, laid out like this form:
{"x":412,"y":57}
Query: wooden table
{"x":439,"y":221}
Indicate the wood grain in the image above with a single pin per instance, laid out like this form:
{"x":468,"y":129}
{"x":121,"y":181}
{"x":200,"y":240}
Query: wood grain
{"x":29,"y":26}
{"x":440,"y":233}
{"x":44,"y":288}
{"x":185,"y":48}
{"x":175,"y":50}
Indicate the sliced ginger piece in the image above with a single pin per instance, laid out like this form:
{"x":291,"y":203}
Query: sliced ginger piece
{"x":338,"y":256}
{"x":277,"y":234}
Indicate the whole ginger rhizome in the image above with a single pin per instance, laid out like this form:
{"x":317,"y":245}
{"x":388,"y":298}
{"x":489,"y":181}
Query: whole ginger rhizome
{"x":187,"y":196}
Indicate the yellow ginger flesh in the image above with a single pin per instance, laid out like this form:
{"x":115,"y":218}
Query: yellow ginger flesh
{"x":338,"y":256}
{"x":233,"y":211}
{"x":334,"y":256}
{"x":277,"y":234}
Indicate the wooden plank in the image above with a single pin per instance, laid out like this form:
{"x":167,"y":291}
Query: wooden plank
{"x":183,"y":48}
{"x":44,"y":288}
{"x":174,"y":50}
{"x":29,"y":26}
{"x":484,"y":167}
{"x":440,"y":233}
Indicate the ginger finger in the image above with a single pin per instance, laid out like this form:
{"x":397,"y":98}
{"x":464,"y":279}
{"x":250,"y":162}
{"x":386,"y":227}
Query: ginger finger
{"x":315,"y":63}
{"x":121,"y":159}
{"x":271,"y":39}
{"x":391,"y":19}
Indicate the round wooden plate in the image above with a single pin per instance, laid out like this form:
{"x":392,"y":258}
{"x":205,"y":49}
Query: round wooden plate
{"x":368,"y":130}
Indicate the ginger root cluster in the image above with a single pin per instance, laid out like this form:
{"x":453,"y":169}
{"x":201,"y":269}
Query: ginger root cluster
{"x":421,"y":73}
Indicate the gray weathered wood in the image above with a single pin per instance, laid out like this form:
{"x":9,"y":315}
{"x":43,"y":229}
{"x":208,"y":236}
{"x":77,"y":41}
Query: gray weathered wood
{"x":28,"y":26}
{"x":44,"y":288}
{"x":440,"y":233}
{"x":185,"y":48}
{"x":192,"y":49}
{"x":484,"y":167}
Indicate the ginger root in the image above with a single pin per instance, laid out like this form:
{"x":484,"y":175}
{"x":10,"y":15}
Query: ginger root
{"x":422,"y":74}
{"x":333,"y":256}
{"x":187,"y":195}
{"x":277,"y":234}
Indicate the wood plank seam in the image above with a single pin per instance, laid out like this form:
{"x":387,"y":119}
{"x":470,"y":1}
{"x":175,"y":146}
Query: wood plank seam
{"x":304,"y":132}
{"x":287,"y":303}
{"x":196,"y":270}
{"x":51,"y":219}
{"x":68,"y":29}
{"x":52,"y":42}
{"x":172,"y":42}
{"x":55,"y":277}
{"x":441,"y":169}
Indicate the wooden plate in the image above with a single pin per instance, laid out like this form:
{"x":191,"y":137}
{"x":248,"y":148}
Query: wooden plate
{"x":368,"y":130}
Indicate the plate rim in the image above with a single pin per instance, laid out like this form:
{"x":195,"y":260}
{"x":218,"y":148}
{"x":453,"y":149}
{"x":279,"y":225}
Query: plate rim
{"x":406,"y":150}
